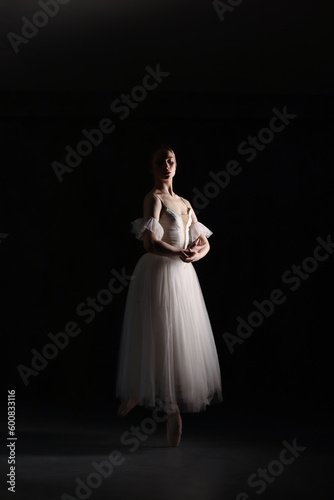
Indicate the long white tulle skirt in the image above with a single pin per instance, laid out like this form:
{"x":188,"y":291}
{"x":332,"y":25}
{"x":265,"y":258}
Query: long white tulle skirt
{"x":167,"y":349}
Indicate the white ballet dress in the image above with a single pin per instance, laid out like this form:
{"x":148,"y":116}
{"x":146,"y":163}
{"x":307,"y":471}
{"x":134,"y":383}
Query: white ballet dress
{"x":167,"y":353}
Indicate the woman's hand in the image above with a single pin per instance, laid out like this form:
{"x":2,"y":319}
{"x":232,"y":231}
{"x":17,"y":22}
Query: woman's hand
{"x":192,"y":253}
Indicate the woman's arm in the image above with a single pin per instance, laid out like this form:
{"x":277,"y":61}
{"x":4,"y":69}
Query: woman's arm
{"x":199,"y":248}
{"x":152,"y":208}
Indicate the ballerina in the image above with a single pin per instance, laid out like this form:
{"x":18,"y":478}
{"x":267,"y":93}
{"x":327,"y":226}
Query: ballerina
{"x":167,"y":348}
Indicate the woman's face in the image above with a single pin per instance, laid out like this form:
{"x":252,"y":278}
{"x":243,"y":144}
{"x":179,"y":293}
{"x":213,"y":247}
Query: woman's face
{"x":163,"y":164}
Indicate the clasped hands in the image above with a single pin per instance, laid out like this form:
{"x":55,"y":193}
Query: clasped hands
{"x":192,"y":253}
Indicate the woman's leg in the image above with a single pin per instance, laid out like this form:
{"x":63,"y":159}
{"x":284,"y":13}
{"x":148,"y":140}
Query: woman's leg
{"x":174,"y":424}
{"x":127,"y":405}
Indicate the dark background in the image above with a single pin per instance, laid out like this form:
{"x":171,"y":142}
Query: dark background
{"x":65,"y":238}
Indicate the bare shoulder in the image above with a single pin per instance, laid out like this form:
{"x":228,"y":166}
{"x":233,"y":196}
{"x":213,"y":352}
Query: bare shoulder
{"x":151,"y":198}
{"x":152,"y":204}
{"x":148,"y":197}
{"x":185,"y":200}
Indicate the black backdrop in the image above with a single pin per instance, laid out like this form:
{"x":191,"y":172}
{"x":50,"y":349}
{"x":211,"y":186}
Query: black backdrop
{"x":62,"y":241}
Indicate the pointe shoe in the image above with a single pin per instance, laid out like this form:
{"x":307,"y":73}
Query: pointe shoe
{"x":174,"y":429}
{"x":127,"y":406}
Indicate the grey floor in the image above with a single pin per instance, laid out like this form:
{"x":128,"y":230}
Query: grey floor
{"x":217,"y":455}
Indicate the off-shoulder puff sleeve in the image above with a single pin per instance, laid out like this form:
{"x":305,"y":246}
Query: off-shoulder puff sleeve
{"x":150,"y":223}
{"x":196,"y":229}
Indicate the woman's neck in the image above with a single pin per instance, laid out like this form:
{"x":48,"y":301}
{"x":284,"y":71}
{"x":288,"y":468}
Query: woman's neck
{"x":165,"y":187}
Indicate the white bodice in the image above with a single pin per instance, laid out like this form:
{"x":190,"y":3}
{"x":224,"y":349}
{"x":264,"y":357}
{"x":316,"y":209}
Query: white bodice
{"x":175,"y":226}
{"x":172,"y":227}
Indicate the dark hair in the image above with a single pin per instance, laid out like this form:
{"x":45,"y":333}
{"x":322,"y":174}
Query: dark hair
{"x":157,"y":148}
